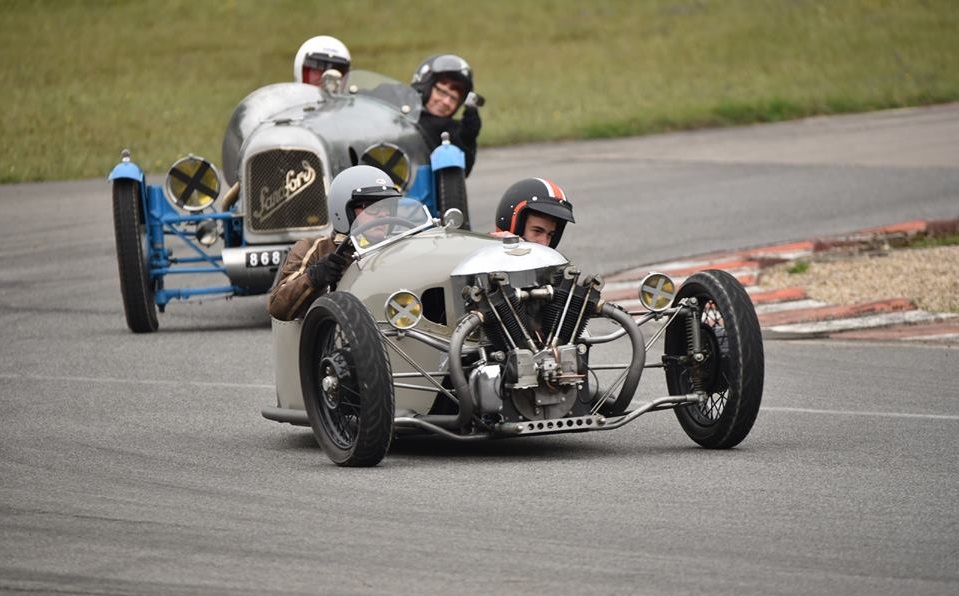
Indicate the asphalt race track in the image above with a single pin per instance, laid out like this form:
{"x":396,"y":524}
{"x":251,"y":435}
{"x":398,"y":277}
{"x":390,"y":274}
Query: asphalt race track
{"x":141,"y":465}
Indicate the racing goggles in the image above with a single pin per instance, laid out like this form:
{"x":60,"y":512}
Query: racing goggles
{"x":325,"y":61}
{"x":363,"y":198}
{"x":371,"y":208}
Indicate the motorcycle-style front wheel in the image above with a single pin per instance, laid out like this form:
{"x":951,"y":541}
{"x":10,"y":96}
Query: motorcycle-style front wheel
{"x":731,"y":373}
{"x":346,"y":380}
{"x":451,"y":193}
{"x":136,"y":287}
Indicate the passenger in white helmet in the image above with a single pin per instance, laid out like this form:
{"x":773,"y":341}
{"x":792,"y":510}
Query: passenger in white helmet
{"x":316,"y":56}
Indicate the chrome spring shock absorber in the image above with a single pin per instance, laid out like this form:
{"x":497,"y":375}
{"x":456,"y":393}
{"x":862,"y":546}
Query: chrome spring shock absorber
{"x":694,"y":345}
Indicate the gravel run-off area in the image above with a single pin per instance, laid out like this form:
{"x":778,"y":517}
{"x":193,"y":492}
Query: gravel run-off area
{"x":927,"y":276}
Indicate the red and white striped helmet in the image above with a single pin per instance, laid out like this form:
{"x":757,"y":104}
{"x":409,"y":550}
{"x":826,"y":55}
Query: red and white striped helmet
{"x":533,"y":194}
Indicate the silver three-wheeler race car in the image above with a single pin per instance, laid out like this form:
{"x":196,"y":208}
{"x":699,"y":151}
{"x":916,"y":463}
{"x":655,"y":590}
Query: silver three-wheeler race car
{"x":434,"y":329}
{"x":283,"y":145}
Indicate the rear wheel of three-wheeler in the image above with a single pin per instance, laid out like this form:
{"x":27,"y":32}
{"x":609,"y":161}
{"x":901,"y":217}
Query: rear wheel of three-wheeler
{"x":136,"y":287}
{"x":731,"y":374}
{"x":346,"y":380}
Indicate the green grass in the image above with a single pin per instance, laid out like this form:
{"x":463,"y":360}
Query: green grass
{"x":934,"y":241}
{"x":798,"y":268}
{"x":79,"y":81}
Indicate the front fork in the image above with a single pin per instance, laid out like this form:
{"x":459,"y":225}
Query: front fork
{"x":694,"y":337}
{"x":695,"y":353}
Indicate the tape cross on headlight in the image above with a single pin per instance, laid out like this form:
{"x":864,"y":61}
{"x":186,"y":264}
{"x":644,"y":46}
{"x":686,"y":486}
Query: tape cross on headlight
{"x":391,"y":159}
{"x":657,"y":291}
{"x":403,"y":310}
{"x":199,"y":180}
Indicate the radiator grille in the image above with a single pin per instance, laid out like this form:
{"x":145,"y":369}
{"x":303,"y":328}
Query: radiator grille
{"x":286,"y":191}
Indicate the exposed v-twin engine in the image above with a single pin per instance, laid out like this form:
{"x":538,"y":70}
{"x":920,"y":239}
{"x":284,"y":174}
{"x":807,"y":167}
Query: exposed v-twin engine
{"x":533,"y":332}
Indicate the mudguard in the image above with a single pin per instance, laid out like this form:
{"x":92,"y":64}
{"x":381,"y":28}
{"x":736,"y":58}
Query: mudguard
{"x":447,"y":155}
{"x":127,"y":170}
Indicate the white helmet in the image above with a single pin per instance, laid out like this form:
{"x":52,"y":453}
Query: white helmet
{"x":359,"y":184}
{"x":318,"y":54}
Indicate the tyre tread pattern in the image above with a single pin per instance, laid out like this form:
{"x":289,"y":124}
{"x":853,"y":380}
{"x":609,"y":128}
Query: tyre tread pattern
{"x":373,"y":375}
{"x":746,"y":370}
{"x":451,"y":193}
{"x":139,"y":306}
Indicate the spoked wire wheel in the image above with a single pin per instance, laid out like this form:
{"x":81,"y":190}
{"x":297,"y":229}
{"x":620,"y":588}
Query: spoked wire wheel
{"x":346,"y":380}
{"x":732,"y":370}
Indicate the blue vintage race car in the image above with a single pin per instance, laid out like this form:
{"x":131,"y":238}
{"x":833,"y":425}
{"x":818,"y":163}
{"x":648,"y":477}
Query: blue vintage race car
{"x":283,"y":145}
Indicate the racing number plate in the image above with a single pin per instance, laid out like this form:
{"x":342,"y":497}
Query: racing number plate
{"x":265,"y":258}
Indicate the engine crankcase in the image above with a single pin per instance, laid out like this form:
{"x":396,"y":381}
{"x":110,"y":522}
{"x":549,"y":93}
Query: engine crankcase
{"x":543,"y":403}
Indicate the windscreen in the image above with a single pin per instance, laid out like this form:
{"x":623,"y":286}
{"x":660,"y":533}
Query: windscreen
{"x":388,"y":220}
{"x":390,"y":91}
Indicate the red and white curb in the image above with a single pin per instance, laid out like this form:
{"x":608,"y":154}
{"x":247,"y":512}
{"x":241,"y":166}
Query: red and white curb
{"x":789,"y":312}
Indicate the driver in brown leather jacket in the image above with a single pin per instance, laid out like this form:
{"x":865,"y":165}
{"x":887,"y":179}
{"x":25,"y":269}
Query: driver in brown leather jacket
{"x":313,"y":265}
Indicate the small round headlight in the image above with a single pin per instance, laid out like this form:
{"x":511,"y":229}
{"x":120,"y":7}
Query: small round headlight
{"x":403,"y":310}
{"x":657,"y":292}
{"x":391,"y":159}
{"x":192,"y":184}
{"x":207,"y":232}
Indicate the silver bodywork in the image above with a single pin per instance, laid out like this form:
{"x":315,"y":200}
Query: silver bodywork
{"x":473,"y":337}
{"x":285,"y":142}
{"x":449,"y":269}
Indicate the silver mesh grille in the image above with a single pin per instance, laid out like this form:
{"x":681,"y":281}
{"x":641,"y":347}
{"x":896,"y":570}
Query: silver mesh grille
{"x":286,"y":191}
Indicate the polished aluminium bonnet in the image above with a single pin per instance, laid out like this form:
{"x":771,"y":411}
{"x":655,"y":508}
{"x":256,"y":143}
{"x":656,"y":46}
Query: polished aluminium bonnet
{"x":512,"y":255}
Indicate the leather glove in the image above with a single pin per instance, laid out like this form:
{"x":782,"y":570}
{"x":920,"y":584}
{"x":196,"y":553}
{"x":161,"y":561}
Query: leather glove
{"x":471,"y":124}
{"x":327,"y":271}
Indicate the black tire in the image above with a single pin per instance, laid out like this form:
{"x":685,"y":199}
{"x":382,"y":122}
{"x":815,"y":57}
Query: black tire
{"x":451,"y":193}
{"x":139,"y":303}
{"x":352,"y":419}
{"x":733,"y":370}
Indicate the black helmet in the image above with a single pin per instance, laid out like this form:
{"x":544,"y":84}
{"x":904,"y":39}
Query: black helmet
{"x":449,"y":65}
{"x":533,"y":194}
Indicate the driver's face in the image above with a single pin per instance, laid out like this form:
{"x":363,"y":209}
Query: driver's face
{"x":368,"y":212}
{"x":313,"y":76}
{"x":539,"y":229}
{"x":444,"y":98}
